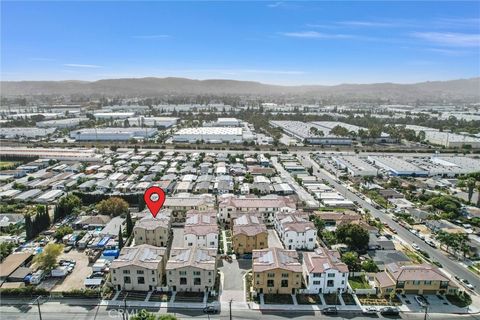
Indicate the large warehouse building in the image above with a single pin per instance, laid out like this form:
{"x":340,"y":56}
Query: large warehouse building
{"x":209,"y":135}
{"x":158,"y":122}
{"x":397,"y":166}
{"x":112,"y":134}
{"x":355,"y":166}
{"x":446,"y":139}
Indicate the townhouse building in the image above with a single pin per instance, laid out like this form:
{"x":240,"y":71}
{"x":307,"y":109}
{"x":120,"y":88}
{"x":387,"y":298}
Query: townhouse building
{"x":192,"y":269}
{"x":155,"y":231}
{"x":201,"y":229}
{"x":295,"y":230}
{"x":139,"y":268}
{"x":249,"y":233}
{"x":276,"y":271}
{"x":324,"y":272}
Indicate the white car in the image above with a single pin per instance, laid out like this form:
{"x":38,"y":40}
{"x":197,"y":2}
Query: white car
{"x":415,"y":246}
{"x":370,"y":310}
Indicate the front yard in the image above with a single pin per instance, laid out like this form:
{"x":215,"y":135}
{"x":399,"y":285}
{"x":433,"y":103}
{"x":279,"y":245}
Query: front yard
{"x":348,"y":299}
{"x":308,"y":299}
{"x":369,"y":300}
{"x":460,"y":300}
{"x":278,"y":299}
{"x":331,"y":299}
{"x":160,"y":297}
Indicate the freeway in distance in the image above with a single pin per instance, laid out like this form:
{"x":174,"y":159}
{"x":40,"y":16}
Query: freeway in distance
{"x":453,"y":267}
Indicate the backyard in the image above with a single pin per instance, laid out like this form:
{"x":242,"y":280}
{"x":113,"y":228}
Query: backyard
{"x":358,"y":283}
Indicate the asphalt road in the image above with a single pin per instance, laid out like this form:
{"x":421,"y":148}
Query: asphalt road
{"x":451,"y":266}
{"x":59,"y":311}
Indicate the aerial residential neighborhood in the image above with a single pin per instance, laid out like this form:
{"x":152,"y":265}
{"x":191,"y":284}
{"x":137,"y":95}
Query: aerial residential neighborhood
{"x":175,"y":160}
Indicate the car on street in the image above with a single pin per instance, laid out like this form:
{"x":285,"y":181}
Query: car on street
{"x":210,"y":310}
{"x":431,"y":243}
{"x":370,"y":310}
{"x":415,"y":246}
{"x":389,"y":311}
{"x":330,"y":310}
{"x":467,"y":284}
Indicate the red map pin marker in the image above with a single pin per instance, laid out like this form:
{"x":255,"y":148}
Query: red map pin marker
{"x":154,"y":198}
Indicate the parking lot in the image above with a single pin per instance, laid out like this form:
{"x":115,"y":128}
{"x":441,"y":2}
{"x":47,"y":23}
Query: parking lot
{"x":76,"y":279}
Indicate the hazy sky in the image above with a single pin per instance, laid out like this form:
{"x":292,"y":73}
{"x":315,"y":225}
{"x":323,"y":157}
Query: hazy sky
{"x":273,"y":42}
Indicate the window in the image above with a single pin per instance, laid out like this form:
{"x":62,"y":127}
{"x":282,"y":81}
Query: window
{"x":126,"y":271}
{"x":270,"y":283}
{"x":139,"y":271}
{"x":209,"y":273}
{"x":197,"y":281}
{"x":330,"y":283}
{"x":310,"y":240}
{"x":401,"y":284}
{"x":114,"y":270}
{"x":261,"y":243}
{"x":183,"y":280}
{"x":271,"y":275}
{"x":153,"y":279}
{"x":284,"y":284}
{"x":428,"y":282}
{"x":190,"y":244}
{"x":317,"y":282}
{"x":284,"y":275}
{"x":140,"y":280}
{"x":153,"y":271}
{"x":290,"y":241}
{"x":114,"y":279}
{"x":141,"y":238}
{"x":182,"y":273}
{"x":196,"y":273}
{"x":317,"y":275}
{"x":127,"y":280}
{"x":331,"y":275}
{"x":209,"y":280}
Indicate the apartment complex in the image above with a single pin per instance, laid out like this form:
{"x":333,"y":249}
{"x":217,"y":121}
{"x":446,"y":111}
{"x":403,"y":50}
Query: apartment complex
{"x":276,"y":271}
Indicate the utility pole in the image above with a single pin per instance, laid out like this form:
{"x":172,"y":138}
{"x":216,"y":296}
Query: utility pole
{"x":37,"y":300}
{"x":125,"y":314}
{"x":426,"y":311}
{"x":230,"y":307}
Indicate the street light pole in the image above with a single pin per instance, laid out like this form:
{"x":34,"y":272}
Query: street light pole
{"x":125,"y":306}
{"x":426,"y":311}
{"x":37,"y":300}
{"x":230,"y":307}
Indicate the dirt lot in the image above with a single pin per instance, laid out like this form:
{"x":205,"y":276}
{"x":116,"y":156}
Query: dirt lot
{"x":80,"y":272}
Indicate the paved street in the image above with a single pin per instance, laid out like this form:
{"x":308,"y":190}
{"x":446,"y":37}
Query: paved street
{"x":451,"y":266}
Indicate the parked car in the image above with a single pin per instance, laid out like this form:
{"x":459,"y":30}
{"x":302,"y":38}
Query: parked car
{"x":330,"y":310}
{"x":421,"y":301}
{"x":389,"y":311}
{"x":370,"y":310}
{"x":431,"y":243}
{"x":210,"y":310}
{"x":415,"y":246}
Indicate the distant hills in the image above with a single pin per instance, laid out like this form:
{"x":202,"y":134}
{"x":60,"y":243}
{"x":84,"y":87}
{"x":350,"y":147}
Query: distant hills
{"x":452,"y":90}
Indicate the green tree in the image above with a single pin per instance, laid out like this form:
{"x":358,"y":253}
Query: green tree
{"x":29,"y":227}
{"x":369,"y":266}
{"x":5,"y":249}
{"x":47,"y":260}
{"x":129,"y":224}
{"x":354,"y":236}
{"x":351,"y":260}
{"x":65,"y":206}
{"x":471,"y":184}
{"x":120,"y":238}
{"x":113,"y":206}
{"x":62,"y":232}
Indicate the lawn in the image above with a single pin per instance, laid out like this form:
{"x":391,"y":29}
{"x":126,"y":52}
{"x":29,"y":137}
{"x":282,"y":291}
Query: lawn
{"x":358,"y":283}
{"x":331,"y":299}
{"x":308,"y":299}
{"x":184,"y":296}
{"x":415,"y":258}
{"x":378,"y":301}
{"x":5,"y":165}
{"x":278,"y":299}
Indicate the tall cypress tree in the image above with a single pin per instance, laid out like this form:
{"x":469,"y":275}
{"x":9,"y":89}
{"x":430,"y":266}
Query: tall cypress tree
{"x":129,"y":223}
{"x":120,"y":238}
{"x":28,"y":226}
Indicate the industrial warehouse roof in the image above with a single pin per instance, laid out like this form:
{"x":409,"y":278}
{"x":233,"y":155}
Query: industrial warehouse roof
{"x":210,"y":131}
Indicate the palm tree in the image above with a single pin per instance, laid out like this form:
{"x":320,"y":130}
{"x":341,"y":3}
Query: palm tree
{"x":471,"y":186}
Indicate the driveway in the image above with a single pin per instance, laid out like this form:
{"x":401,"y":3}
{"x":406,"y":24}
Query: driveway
{"x":273,"y":240}
{"x":232,"y":280}
{"x":177,"y":241}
